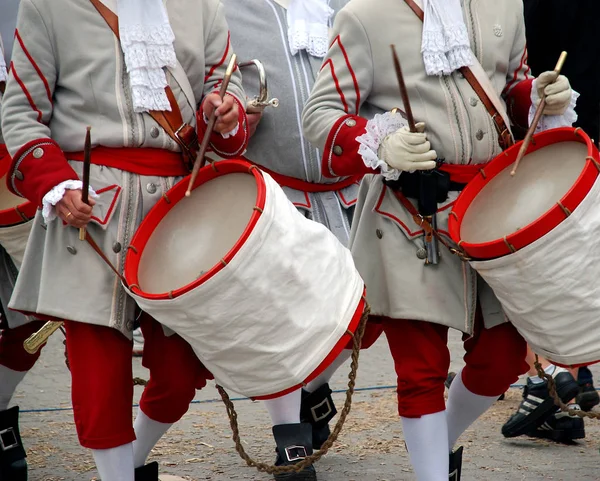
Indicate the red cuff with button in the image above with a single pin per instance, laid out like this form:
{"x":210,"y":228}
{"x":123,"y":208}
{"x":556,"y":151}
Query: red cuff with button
{"x":38,"y":167}
{"x":340,"y":155}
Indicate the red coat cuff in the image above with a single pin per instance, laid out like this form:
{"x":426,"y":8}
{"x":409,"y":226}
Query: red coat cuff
{"x":233,"y":146}
{"x":519,"y":103}
{"x":4,"y":160}
{"x":340,"y":155}
{"x":36,"y":168}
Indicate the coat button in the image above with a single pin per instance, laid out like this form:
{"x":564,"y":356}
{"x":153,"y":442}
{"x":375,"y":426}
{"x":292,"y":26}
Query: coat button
{"x":38,"y":153}
{"x":154,"y":132}
{"x":379,"y":233}
{"x":129,"y":325}
{"x":337,"y":150}
{"x":117,"y":247}
{"x":18,"y":175}
{"x":351,"y":123}
{"x":422,"y":253}
{"x":479,"y":134}
{"x":473,"y":101}
{"x":72,"y":250}
{"x":151,"y":188}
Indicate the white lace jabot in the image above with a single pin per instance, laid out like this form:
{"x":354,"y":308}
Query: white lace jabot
{"x":147,"y":44}
{"x":308,"y":26}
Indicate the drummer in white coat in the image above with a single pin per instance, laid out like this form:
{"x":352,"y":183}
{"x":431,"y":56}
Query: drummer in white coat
{"x":292,"y":59}
{"x":418,"y":302}
{"x":70,"y":71}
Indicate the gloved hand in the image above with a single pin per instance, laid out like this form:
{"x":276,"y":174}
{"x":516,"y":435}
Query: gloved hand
{"x":558,"y":92}
{"x":408,"y":151}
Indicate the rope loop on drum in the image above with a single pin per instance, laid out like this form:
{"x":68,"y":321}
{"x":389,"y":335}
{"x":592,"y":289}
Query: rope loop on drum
{"x":166,"y":197}
{"x":455,"y":215}
{"x":509,"y":245}
{"x":309,"y":460}
{"x":565,"y":210}
{"x":133,"y":248}
{"x":552,"y":389}
{"x":589,"y":157}
{"x":483,"y":174}
{"x":258,"y":209}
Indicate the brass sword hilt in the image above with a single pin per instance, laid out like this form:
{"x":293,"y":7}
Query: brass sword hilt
{"x":34,"y":342}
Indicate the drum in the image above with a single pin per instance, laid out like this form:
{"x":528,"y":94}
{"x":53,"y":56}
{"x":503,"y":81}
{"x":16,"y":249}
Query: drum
{"x":15,"y":214}
{"x":535,"y":239}
{"x":266,"y":298}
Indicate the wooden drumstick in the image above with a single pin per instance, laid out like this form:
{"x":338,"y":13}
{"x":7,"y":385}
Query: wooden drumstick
{"x":87,"y":155}
{"x":403,"y":91}
{"x":536,"y":119}
{"x":200,"y":159}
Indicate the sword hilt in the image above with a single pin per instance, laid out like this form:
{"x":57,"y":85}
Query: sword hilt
{"x":34,"y":342}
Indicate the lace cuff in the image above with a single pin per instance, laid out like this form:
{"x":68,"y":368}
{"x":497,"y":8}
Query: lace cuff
{"x":548,"y":122}
{"x":225,"y":135}
{"x":378,"y":128}
{"x":55,"y":196}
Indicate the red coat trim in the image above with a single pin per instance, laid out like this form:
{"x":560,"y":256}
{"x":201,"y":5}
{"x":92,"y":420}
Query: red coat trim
{"x":222,"y":61}
{"x":4,"y":160}
{"x":350,"y":69}
{"x":26,"y":92}
{"x":35,"y":66}
{"x":337,"y":83}
{"x":233,"y":146}
{"x":39,"y":175}
{"x":117,"y":190}
{"x":349,"y":162}
{"x":519,"y":102}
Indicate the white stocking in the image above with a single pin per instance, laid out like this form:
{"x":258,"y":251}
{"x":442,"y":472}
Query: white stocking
{"x":9,"y":380}
{"x":463,"y":408}
{"x":147,"y":433}
{"x":285,"y":409}
{"x":427,"y":442}
{"x":115,"y":464}
{"x":326,"y":375}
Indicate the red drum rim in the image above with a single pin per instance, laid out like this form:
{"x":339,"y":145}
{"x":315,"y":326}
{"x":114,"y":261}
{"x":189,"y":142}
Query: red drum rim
{"x":162,"y":208}
{"x":545,"y":223}
{"x":17,"y":215}
{"x":345,"y":342}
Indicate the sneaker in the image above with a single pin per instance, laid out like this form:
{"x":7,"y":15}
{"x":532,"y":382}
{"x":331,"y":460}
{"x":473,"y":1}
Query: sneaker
{"x":138,"y":342}
{"x":561,"y":427}
{"x":588,"y":396}
{"x":537,"y":405}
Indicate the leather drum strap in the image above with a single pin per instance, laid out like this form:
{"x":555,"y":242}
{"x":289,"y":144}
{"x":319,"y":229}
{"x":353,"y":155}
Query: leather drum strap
{"x":505,"y":138}
{"x":172,"y":122}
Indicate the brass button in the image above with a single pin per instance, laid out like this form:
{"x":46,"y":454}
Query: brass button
{"x":473,"y":101}
{"x":154,"y":132}
{"x":117,"y":247}
{"x":38,"y":153}
{"x":379,"y":233}
{"x":422,"y":253}
{"x":72,"y":250}
{"x":337,"y":150}
{"x":479,"y":134}
{"x":151,"y":188}
{"x":351,"y":123}
{"x":18,"y":175}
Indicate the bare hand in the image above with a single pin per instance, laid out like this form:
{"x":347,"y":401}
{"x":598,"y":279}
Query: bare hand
{"x":253,"y":120}
{"x":226,"y":110}
{"x":73,"y":210}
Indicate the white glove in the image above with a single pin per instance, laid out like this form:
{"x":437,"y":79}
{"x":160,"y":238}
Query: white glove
{"x":408,"y":151}
{"x":557,"y":90}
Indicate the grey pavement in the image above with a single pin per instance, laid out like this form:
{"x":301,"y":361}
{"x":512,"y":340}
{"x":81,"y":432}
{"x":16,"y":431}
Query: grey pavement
{"x":370,"y":448}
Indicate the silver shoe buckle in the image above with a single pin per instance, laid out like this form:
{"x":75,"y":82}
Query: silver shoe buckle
{"x":7,"y":442}
{"x":316,"y":409}
{"x":295,"y":453}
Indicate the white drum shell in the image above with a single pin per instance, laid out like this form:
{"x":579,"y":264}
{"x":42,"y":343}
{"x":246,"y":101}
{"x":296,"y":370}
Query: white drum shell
{"x":549,"y":288}
{"x":267,"y":320}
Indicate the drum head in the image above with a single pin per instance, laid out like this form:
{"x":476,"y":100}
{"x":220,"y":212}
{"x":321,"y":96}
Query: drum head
{"x":197,"y":233}
{"x":508,"y":203}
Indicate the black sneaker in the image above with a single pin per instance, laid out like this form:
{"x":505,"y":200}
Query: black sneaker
{"x":537,"y":405}
{"x":561,"y":427}
{"x":588,"y":396}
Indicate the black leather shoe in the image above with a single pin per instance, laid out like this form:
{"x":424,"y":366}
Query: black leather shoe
{"x":588,"y":396}
{"x":537,"y":405}
{"x":455,"y":465}
{"x":294,"y":443}
{"x":13,"y":466}
{"x":318,"y":409}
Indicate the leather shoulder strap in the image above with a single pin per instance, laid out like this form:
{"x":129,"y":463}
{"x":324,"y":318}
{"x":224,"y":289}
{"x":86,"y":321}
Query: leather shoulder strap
{"x":171,"y":122}
{"x":505,"y":136}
